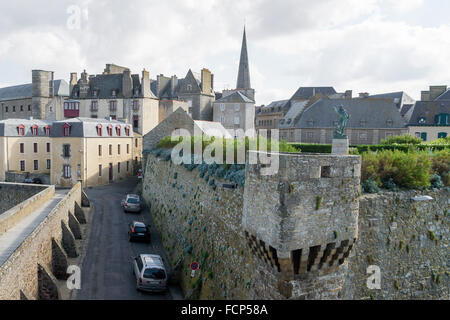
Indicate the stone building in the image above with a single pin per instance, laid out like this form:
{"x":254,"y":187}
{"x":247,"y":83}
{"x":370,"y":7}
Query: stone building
{"x":92,"y":151}
{"x":166,"y":89}
{"x":371,"y":120}
{"x":117,"y":94}
{"x":43,"y":98}
{"x":25,"y":146}
{"x":430,"y":120}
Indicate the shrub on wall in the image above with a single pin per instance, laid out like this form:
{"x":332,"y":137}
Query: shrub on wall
{"x":409,"y":170}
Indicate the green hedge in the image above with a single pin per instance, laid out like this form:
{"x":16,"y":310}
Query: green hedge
{"x":326,"y":148}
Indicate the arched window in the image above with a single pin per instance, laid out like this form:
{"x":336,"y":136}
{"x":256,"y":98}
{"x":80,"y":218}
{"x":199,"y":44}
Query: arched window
{"x":47,"y":130}
{"x":34,"y":130}
{"x":99,"y":130}
{"x":21,"y":130}
{"x":118,"y":128}
{"x":127,"y":131}
{"x":110,"y":130}
{"x":66,"y":130}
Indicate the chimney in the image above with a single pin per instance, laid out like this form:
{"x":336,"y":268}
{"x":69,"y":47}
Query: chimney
{"x":206,"y":81}
{"x":363,"y":95}
{"x":73,"y":81}
{"x":145,"y":84}
{"x":173,"y":83}
{"x":127,"y":84}
{"x":425,"y":96}
{"x":348,"y":94}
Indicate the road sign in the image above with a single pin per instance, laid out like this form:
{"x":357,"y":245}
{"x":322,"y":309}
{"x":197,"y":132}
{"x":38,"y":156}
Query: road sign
{"x":194,"y":266}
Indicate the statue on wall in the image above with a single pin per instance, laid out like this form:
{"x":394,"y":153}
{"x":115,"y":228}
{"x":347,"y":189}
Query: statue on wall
{"x":339,"y":131}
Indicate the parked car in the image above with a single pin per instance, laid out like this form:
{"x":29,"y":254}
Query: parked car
{"x":138,"y":231}
{"x":150,"y":273}
{"x":132,"y":203}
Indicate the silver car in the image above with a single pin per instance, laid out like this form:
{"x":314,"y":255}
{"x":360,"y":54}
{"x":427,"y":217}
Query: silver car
{"x":150,"y":273}
{"x":132,"y":203}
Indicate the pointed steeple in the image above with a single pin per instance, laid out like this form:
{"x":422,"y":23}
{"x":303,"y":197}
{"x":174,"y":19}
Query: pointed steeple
{"x":243,"y":81}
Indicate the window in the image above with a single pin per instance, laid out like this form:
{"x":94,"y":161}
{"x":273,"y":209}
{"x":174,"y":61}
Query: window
{"x":118,"y":130}
{"x":94,"y":105}
{"x":311,"y":123}
{"x":35,"y":147}
{"x":66,"y":171}
{"x":36,"y":165}
{"x":14,"y":108}
{"x":389,"y":134}
{"x":48,"y":163}
{"x":442,"y":119}
{"x":222,"y":107}
{"x":47,"y":131}
{"x":118,"y":167}
{"x":222,"y":119}
{"x":135,"y":105}
{"x":363,"y":136}
{"x":99,"y":130}
{"x":110,"y":149}
{"x":236,"y":120}
{"x":362,"y":123}
{"x":237,"y":107}
{"x":136,"y":143}
{"x":110,"y":130}
{"x":389,"y":123}
{"x":99,"y":170}
{"x":422,"y":120}
{"x":29,"y":107}
{"x":127,"y":130}
{"x":113,"y":93}
{"x":112,"y":106}
{"x":66,"y":130}
{"x":189,"y":87}
{"x":442,"y":135}
{"x":417,"y":134}
{"x":423,"y":135}
{"x":48,"y":146}
{"x":21,"y":130}
{"x":128,"y":148}
{"x":22,"y":165}
{"x":6,"y":109}
{"x":22,"y":148}
{"x":94,"y":116}
{"x":66,"y":150}
{"x":128,"y":166}
{"x":136,"y":122}
{"x":118,"y":149}
{"x":21,"y":108}
{"x":34,"y":130}
{"x":94,"y":93}
{"x":99,"y":150}
{"x":310,"y":135}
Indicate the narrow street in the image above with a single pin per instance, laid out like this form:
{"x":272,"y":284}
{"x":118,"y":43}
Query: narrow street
{"x":106,"y":268}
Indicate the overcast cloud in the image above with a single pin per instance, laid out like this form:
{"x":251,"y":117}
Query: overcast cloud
{"x":364,"y":45}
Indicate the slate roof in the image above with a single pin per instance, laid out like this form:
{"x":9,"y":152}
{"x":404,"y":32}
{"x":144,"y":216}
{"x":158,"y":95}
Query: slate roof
{"x":428,"y":110}
{"x":444,"y":96}
{"x":275,"y":105}
{"x":213,"y":129}
{"x":305,"y":93}
{"x":243,"y":80}
{"x":87,"y":127}
{"x":24,"y":91}
{"x":235,"y":97}
{"x":372,"y":112}
{"x":292,"y":116}
{"x":9,"y":127}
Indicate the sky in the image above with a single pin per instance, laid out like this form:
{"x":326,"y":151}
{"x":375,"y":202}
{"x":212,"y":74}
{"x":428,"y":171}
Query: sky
{"x":373,"y":46}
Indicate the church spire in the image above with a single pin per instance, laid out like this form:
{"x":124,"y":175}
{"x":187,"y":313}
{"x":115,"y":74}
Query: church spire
{"x":243,"y":81}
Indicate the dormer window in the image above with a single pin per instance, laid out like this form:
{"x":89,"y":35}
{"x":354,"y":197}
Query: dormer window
{"x":34,"y":130}
{"x":110,"y":130}
{"x":21,"y":130}
{"x":127,"y":131}
{"x":113,"y":93}
{"x":189,"y":87}
{"x":99,"y":130}
{"x":389,"y":123}
{"x":442,"y":119}
{"x":118,"y":131}
{"x":66,"y":130}
{"x":94,"y":93}
{"x":422,"y":120}
{"x":47,"y":130}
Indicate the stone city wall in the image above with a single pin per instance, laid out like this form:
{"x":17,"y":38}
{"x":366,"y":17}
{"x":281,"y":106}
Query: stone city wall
{"x":408,"y":241}
{"x":11,"y":194}
{"x":31,"y":271}
{"x":38,"y":197}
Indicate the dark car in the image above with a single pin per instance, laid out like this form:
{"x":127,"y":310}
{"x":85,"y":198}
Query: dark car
{"x":138,"y":231}
{"x":32,"y":180}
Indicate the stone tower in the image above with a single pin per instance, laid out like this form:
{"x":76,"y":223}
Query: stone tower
{"x":42,"y":91}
